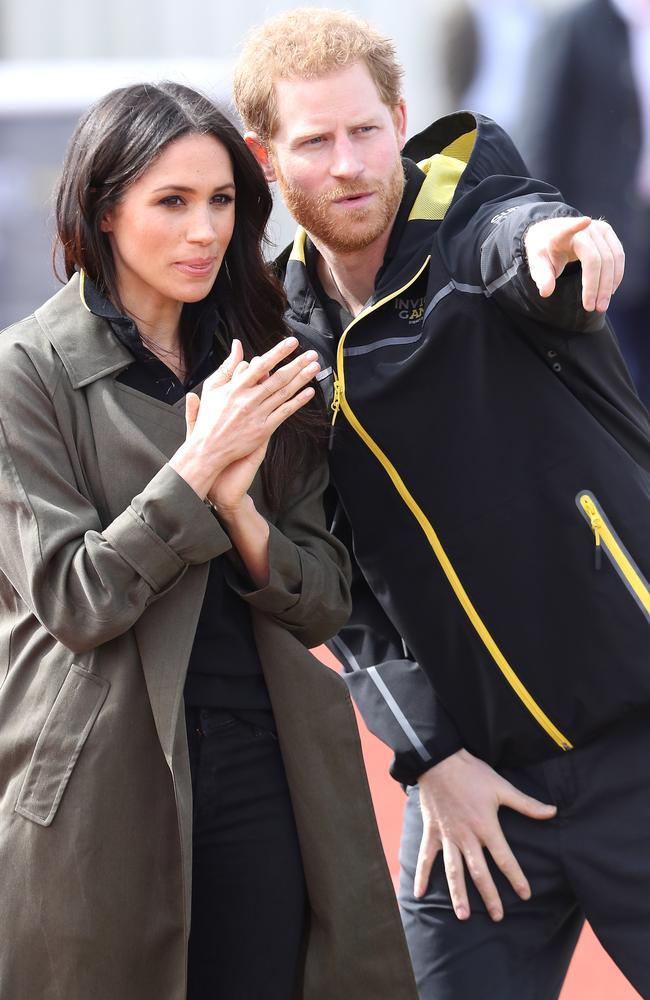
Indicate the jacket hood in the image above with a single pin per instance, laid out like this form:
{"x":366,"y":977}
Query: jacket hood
{"x":475,"y":140}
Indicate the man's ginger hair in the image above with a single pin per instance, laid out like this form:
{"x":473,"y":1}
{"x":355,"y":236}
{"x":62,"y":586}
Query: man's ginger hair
{"x":305,"y":43}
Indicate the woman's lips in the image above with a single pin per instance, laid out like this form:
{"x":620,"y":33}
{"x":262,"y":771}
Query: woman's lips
{"x":200,"y":267}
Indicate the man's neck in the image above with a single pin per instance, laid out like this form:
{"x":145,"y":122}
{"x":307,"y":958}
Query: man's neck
{"x":349,"y":278}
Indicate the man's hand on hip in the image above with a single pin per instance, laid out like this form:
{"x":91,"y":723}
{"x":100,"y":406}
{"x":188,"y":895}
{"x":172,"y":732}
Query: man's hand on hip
{"x":551,"y":244}
{"x":460,"y":799}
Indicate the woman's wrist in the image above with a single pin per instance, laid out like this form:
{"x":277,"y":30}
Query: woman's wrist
{"x":230,"y":516}
{"x":191,"y":464}
{"x":249,"y":533}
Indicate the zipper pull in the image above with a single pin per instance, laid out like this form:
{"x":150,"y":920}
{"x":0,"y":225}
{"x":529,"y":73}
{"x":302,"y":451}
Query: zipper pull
{"x":336,"y":401}
{"x":596,"y":522}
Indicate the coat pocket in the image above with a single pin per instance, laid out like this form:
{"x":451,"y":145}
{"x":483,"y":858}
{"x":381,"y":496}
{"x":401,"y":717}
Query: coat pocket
{"x":61,"y":740}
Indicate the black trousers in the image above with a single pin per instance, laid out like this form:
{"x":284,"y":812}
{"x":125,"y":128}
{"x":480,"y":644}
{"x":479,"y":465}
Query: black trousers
{"x":592,"y":860}
{"x":249,"y":901}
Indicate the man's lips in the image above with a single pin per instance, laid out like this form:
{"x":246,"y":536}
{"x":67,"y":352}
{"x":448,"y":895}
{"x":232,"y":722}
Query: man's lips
{"x":199,"y":266}
{"x":359,"y":198}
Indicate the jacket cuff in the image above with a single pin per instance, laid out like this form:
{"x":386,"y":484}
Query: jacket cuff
{"x":283,"y":590}
{"x":408,"y":765}
{"x":505,"y":272}
{"x":165,"y":528}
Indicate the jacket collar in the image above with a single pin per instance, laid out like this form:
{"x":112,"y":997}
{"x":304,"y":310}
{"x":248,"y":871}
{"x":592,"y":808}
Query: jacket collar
{"x":84,"y":340}
{"x":428,"y":189}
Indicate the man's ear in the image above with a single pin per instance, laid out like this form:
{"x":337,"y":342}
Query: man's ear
{"x":400,"y":119}
{"x":261,"y":154}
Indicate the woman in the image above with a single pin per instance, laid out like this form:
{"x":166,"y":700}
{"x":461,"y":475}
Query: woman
{"x":148,"y":560}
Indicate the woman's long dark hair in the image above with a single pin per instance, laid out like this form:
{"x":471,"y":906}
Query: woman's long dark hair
{"x":112,"y":146}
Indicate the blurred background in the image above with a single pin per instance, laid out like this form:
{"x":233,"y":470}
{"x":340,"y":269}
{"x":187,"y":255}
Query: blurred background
{"x":569,"y":79}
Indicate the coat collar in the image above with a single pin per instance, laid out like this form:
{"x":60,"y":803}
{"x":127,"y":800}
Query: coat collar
{"x":85,"y":342}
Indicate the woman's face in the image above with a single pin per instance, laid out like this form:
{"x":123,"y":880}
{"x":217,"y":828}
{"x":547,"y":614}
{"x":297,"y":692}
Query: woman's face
{"x":171,"y":228}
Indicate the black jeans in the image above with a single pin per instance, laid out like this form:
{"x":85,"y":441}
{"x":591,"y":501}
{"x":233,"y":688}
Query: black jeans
{"x":249,"y":901}
{"x":592,"y":859}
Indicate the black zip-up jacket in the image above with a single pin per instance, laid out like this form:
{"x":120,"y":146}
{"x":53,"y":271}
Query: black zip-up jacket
{"x":493,"y":461}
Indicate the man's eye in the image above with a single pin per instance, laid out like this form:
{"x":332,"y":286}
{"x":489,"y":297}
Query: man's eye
{"x":315,"y":140}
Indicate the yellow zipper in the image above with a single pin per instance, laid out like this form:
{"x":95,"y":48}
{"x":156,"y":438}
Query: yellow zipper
{"x":336,"y":400}
{"x":605,"y":538}
{"x":511,"y":677}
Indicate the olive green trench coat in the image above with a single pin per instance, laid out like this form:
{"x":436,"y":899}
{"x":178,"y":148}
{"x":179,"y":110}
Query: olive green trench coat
{"x":104,"y":554}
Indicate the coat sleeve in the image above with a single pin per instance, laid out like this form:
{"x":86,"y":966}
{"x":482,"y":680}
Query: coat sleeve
{"x":484,"y":252}
{"x":393,"y":694}
{"x":85,"y":582}
{"x":308,"y":591}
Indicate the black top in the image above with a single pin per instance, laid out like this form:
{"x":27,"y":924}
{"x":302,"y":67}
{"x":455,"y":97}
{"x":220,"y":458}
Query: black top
{"x":224,"y":669}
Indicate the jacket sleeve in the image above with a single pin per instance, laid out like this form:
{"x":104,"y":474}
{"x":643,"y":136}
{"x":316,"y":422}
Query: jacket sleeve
{"x":308,"y":591}
{"x":394,"y":696}
{"x":84,"y":581}
{"x":484,"y":252}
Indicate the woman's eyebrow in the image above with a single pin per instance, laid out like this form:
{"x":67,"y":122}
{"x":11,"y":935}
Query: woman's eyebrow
{"x":184,"y":187}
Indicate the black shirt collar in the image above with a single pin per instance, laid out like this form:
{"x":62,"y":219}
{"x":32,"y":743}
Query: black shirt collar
{"x":209,"y":326}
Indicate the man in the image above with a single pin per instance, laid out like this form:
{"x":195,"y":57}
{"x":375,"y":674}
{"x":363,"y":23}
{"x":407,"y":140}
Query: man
{"x":492,"y":467}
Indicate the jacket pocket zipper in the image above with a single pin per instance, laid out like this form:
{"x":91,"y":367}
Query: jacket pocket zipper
{"x":606,"y":540}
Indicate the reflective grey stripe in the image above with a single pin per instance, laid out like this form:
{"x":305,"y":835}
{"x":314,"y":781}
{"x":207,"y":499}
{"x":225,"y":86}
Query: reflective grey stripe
{"x":323,"y":374}
{"x":399,"y":715}
{"x":458,"y":286}
{"x":400,"y":718}
{"x":346,"y":653}
{"x":453,"y":286}
{"x":437,"y":297}
{"x":498,"y":283}
{"x":389,"y":342}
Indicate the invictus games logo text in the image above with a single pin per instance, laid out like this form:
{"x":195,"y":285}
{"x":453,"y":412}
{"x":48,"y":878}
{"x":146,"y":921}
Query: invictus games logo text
{"x":412,"y":310}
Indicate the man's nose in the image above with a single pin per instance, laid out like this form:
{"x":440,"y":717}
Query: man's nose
{"x":346,"y":161}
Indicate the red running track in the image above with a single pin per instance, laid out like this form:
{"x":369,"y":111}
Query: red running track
{"x":592,"y":974}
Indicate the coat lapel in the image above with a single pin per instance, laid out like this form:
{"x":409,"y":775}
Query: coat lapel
{"x":125,"y":421}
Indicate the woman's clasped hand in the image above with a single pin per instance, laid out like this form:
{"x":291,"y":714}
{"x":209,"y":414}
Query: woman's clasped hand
{"x":240,"y":407}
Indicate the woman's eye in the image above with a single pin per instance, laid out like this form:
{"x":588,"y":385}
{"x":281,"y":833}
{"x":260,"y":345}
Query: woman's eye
{"x":171,"y":199}
{"x":222,"y":199}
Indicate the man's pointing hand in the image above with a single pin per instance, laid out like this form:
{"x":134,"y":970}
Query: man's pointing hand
{"x":553,"y":243}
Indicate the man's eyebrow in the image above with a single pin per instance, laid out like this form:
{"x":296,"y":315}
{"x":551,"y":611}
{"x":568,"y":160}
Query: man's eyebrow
{"x":184,"y":187}
{"x":314,"y":132}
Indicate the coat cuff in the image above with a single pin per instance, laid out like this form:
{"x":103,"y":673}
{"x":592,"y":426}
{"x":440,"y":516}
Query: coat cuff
{"x":283,"y":590}
{"x":165,"y":528}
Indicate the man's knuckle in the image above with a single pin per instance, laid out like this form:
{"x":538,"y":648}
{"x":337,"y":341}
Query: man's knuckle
{"x":501,"y":858}
{"x":475,"y":868}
